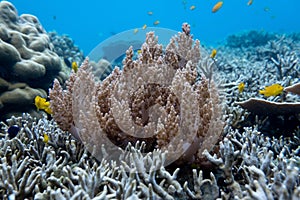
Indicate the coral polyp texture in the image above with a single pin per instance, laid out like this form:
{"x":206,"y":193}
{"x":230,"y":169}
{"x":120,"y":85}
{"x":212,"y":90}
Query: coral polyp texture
{"x":28,"y":63}
{"x":157,"y":98}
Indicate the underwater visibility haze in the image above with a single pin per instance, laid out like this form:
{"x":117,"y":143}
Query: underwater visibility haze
{"x":149,"y":99}
{"x":89,"y":23}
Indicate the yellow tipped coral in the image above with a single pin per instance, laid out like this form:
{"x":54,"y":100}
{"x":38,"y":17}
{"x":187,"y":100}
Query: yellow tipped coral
{"x":272,"y":90}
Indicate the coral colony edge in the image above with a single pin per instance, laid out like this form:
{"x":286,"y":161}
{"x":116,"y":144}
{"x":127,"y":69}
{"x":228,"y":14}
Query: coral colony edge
{"x":174,"y":122}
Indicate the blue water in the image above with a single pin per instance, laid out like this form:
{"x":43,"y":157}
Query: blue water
{"x":88,"y":23}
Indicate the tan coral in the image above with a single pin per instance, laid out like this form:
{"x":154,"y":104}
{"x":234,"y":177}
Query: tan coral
{"x":153,"y":99}
{"x":264,"y":107}
{"x":293,"y":89}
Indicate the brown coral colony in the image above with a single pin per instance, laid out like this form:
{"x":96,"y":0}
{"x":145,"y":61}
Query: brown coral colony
{"x":154,"y":98}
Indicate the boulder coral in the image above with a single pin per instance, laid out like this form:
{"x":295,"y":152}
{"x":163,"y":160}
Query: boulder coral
{"x":27,"y":60}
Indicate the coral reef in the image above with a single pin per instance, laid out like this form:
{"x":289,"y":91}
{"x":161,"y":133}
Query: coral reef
{"x":249,"y":165}
{"x":28,"y":63}
{"x":266,"y":168}
{"x":249,"y":39}
{"x":275,"y":62}
{"x":155,"y":99}
{"x":166,"y":99}
{"x":264,"y":107}
{"x":101,"y":69}
{"x":62,"y":169}
{"x":64,"y":47}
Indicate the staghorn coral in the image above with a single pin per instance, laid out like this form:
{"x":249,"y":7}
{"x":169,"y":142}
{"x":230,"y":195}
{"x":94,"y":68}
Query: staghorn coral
{"x":251,"y":166}
{"x":63,"y":169}
{"x":255,"y":67}
{"x":156,"y":98}
{"x":254,"y":166}
{"x":204,"y":188}
{"x":26,"y":161}
{"x":261,"y":167}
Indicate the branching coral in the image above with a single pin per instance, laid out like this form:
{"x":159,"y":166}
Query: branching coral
{"x":156,"y":99}
{"x":265,"y":168}
{"x":62,"y":169}
{"x":251,"y":166}
{"x":21,"y":169}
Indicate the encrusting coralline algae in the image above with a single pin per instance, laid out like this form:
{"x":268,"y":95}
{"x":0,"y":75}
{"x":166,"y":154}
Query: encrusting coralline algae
{"x":62,"y":158}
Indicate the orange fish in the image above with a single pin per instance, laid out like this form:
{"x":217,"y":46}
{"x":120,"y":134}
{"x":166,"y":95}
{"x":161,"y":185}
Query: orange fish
{"x":192,"y":7}
{"x":250,"y":2}
{"x":156,"y":22}
{"x":217,"y":6}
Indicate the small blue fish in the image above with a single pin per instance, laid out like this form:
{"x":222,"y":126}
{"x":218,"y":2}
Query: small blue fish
{"x":13,"y":131}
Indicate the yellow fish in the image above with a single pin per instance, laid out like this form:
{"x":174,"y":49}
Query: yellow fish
{"x":272,"y":90}
{"x":150,"y":13}
{"x":48,"y":110}
{"x":41,"y":103}
{"x":46,"y":138}
{"x":139,"y":51}
{"x":217,"y":6}
{"x":213,"y":53}
{"x":192,"y":7}
{"x":156,"y":22}
{"x":241,"y":87}
{"x":144,"y":27}
{"x":75,"y":66}
{"x":135,"y":31}
{"x":250,"y":2}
